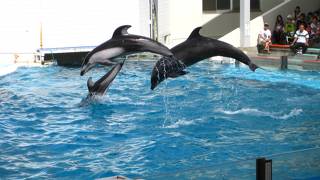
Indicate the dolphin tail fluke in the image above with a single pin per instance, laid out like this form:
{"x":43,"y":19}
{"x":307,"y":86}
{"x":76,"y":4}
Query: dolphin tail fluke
{"x":253,"y":67}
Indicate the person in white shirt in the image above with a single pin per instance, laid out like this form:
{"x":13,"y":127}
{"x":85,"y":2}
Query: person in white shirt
{"x":264,"y":38}
{"x":301,"y":40}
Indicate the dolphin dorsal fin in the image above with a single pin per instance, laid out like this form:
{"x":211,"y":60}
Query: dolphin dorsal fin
{"x":122,"y":30}
{"x":90,"y":84}
{"x":195,"y":33}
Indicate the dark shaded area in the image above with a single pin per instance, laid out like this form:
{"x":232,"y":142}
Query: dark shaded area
{"x":67,"y":58}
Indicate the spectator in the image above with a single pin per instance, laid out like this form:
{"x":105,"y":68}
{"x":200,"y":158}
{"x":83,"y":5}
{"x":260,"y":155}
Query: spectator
{"x":301,"y":39}
{"x":301,"y":20}
{"x":297,"y":12}
{"x":309,"y":18}
{"x":315,"y":28}
{"x":264,"y":38}
{"x":317,"y":13}
{"x":290,"y":28}
{"x":278,"y":33}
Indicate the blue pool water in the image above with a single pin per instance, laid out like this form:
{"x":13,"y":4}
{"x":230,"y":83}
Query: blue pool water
{"x":215,"y":115}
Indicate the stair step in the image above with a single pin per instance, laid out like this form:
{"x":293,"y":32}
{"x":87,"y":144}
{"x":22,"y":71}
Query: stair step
{"x":306,"y":56}
{"x":313,"y":50}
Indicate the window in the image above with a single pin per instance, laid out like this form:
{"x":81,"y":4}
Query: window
{"x":209,"y":5}
{"x":215,"y":5}
{"x":223,"y":5}
{"x":254,"y":4}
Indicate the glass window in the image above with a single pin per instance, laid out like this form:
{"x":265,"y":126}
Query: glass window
{"x":254,"y":4}
{"x":223,"y":4}
{"x":209,"y":5}
{"x":214,"y":5}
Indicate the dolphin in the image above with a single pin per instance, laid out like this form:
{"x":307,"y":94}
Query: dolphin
{"x":121,"y":43}
{"x":196,"y":48}
{"x":99,"y":87}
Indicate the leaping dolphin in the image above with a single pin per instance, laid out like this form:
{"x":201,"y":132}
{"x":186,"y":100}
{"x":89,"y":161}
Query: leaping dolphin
{"x":121,"y":43}
{"x":196,"y":48}
{"x":99,"y":87}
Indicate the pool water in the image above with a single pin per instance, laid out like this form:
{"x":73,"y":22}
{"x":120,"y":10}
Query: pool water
{"x":216,"y":114}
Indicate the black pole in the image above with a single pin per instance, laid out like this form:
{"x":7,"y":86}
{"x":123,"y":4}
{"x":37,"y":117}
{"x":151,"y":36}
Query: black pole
{"x":237,"y":63}
{"x":284,"y":62}
{"x":263,"y":169}
{"x":260,"y":169}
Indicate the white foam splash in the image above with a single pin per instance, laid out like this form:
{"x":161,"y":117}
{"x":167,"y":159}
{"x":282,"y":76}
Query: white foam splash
{"x":256,"y":112}
{"x":180,"y":123}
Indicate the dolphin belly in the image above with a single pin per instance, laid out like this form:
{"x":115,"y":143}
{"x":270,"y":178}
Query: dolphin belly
{"x":102,"y":57}
{"x":105,"y":56}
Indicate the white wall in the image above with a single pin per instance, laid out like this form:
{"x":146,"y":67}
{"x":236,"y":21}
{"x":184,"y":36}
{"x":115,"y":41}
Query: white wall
{"x":184,"y":17}
{"x":164,"y":20}
{"x":20,"y":25}
{"x":83,"y":22}
{"x":144,"y":13}
{"x":65,"y":22}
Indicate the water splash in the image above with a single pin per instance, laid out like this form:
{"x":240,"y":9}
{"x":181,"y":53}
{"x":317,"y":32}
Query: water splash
{"x":165,"y":95}
{"x":181,"y":122}
{"x":256,"y":112}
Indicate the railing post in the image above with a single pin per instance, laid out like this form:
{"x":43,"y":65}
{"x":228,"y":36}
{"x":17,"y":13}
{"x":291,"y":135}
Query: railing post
{"x":263,"y":169}
{"x":237,"y":63}
{"x":284,"y":62}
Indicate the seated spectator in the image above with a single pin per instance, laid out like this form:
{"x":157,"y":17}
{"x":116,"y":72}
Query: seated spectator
{"x":314,"y":26}
{"x":309,"y":18}
{"x":301,"y":20}
{"x":297,"y":12}
{"x":301,"y":39}
{"x":278,"y":36}
{"x":264,"y":38}
{"x":290,"y":29}
{"x":317,"y":13}
{"x":315,"y":30}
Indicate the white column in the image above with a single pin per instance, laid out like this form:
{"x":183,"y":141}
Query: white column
{"x":244,"y":23}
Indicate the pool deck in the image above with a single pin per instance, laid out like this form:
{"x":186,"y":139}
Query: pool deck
{"x":308,"y":61}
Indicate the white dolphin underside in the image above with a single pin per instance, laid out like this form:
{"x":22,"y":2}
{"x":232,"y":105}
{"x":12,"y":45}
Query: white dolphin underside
{"x":105,"y":55}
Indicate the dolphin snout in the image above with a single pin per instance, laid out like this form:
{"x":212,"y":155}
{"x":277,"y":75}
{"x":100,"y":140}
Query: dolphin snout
{"x":153,"y":86}
{"x":86,"y":68}
{"x":82,"y":73}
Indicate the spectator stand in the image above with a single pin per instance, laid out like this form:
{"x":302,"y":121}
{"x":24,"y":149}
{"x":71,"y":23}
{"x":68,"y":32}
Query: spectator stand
{"x":279,"y":49}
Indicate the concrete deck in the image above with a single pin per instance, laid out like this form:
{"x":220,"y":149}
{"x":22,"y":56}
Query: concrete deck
{"x":308,"y":61}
